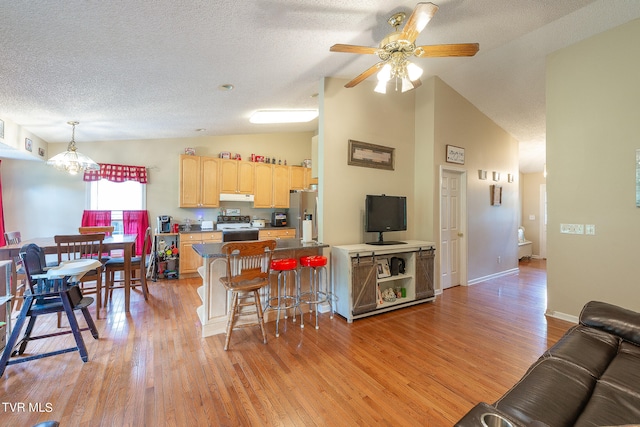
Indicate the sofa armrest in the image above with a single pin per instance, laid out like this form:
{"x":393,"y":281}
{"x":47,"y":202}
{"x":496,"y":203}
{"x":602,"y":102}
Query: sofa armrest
{"x":474,"y":416}
{"x":612,"y":319}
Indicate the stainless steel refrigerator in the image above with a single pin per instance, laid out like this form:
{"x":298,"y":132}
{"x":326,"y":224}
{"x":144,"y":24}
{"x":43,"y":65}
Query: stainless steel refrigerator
{"x":302,"y":204}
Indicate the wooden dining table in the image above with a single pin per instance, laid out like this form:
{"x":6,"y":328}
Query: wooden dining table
{"x":126,"y":242}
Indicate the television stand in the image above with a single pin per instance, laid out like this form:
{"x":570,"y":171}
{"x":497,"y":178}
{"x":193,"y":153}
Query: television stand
{"x":362,"y":284}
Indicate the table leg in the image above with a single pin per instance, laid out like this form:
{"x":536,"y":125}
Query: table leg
{"x":127,"y":275}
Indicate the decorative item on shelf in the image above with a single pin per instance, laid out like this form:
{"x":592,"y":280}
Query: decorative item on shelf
{"x":306,"y":163}
{"x":455,"y":154}
{"x":509,"y":177}
{"x":72,"y":161}
{"x":496,"y":176}
{"x":482,"y":174}
{"x":190,"y":151}
{"x":237,"y":156}
{"x":389,"y":295}
{"x":225,"y":155}
{"x":383,"y":268}
{"x":496,"y":195}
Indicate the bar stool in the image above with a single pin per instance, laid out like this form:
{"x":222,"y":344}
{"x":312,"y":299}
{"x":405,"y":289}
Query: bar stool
{"x":285,"y":299}
{"x":318,"y":293}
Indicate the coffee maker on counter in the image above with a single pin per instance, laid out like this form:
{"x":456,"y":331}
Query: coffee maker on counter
{"x":164,"y":224}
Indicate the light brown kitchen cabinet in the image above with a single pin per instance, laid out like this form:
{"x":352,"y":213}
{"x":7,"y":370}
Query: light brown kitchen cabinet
{"x":297,"y":177}
{"x":236,"y":176}
{"x":271,"y":189}
{"x":189,"y":259}
{"x":279,"y":233}
{"x":199,"y":185}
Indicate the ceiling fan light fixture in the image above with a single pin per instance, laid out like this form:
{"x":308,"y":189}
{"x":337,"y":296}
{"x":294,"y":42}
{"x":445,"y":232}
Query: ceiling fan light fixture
{"x":72,"y":161}
{"x":283,"y":116}
{"x":384,"y":75}
{"x":381,"y":87}
{"x":413,"y":71}
{"x":406,"y":84}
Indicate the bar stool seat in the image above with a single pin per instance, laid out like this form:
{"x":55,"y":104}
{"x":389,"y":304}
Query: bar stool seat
{"x":319,"y":293}
{"x":285,"y":298}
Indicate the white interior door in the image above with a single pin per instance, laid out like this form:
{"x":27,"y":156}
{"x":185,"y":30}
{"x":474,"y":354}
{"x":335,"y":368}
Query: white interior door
{"x":450,"y":229}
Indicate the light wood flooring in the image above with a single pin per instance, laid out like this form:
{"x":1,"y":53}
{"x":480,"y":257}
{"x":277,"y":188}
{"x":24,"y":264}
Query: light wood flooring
{"x":426,"y":365}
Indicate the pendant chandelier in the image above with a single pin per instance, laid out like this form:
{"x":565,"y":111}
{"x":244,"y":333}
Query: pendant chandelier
{"x":71,"y":161}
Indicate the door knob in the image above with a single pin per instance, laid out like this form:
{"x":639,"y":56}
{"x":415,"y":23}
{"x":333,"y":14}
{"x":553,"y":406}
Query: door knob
{"x":460,"y":234}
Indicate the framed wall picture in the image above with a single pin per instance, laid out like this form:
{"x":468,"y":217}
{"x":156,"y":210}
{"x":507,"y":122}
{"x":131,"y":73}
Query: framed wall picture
{"x":370,"y":155}
{"x":455,"y":154}
{"x":496,"y":195}
{"x":28,"y":144}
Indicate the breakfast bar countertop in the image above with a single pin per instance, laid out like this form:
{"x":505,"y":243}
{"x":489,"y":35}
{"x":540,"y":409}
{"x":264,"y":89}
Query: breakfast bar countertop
{"x":213,"y":250}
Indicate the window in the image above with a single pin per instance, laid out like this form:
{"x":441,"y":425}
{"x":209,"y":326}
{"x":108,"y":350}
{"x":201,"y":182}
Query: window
{"x":116,"y":197}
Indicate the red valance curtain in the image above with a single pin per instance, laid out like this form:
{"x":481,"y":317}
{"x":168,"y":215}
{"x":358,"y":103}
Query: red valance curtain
{"x":96,"y":218}
{"x":117,"y":173}
{"x":136,"y":222}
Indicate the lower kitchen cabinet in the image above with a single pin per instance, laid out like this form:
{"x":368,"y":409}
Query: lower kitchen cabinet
{"x":277,"y":233}
{"x":189,"y":259}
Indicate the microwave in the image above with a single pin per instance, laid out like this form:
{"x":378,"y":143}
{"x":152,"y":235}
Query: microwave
{"x":278,"y":219}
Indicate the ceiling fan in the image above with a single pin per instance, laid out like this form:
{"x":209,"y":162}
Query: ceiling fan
{"x":397,"y":47}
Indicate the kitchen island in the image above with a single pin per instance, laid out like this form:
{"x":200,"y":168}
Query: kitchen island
{"x":215,"y":301}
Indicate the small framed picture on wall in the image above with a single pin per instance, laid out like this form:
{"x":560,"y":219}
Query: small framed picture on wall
{"x":28,"y":144}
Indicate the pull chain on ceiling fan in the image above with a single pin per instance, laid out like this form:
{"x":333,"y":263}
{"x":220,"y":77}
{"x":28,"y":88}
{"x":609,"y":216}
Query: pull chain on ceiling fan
{"x":397,"y":47}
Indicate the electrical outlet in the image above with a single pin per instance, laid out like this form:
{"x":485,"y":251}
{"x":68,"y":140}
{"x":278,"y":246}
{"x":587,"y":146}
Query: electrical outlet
{"x":572,"y":228}
{"x":499,"y":260}
{"x":590,"y":229}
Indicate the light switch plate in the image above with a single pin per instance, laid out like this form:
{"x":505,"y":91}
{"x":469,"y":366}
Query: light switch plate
{"x":572,"y":228}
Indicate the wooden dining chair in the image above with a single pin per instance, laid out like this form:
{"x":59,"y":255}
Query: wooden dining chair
{"x":108,"y":230}
{"x":17,"y":289}
{"x":79,"y":246}
{"x":138,"y":265}
{"x":248,"y":266}
{"x":46,"y":296}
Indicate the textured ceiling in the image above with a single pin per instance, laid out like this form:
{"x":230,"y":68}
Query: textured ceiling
{"x":151,"y":69}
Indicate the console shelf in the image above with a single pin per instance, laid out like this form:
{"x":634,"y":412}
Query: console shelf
{"x":355,"y":275}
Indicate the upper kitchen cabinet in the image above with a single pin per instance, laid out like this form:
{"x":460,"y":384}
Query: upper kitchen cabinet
{"x":199,"y":187}
{"x":300,"y":178}
{"x":271,"y":188}
{"x":236,"y":176}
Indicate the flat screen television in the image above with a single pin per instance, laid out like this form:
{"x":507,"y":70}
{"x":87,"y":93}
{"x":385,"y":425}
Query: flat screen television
{"x":385,"y":213}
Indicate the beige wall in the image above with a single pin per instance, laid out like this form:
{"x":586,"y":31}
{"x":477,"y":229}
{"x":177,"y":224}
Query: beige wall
{"x":490,"y":231}
{"x":592,"y":134}
{"x":40,"y":200}
{"x":530,"y":185}
{"x":363,"y":115}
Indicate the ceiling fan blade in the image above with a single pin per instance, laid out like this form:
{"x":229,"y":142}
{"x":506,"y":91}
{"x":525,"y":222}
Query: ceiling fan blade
{"x":419,"y":19}
{"x":440,"y":50}
{"x":369,"y":72}
{"x":349,"y":48}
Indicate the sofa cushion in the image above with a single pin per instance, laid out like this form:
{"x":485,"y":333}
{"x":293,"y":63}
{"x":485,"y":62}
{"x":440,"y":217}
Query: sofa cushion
{"x":610,"y":406}
{"x":552,"y":391}
{"x":613,"y":319}
{"x":624,"y":370}
{"x":591,"y":349}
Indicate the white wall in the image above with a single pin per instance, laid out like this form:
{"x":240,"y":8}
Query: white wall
{"x":592,"y":134}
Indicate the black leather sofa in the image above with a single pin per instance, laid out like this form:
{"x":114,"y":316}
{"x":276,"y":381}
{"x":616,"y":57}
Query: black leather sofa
{"x":590,"y":377}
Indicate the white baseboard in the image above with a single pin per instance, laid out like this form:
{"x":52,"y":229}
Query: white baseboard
{"x":562,"y":316}
{"x":493,"y":276}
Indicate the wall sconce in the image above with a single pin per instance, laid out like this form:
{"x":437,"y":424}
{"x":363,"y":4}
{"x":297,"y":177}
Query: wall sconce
{"x":482,"y":174}
{"x":496,"y":176}
{"x":510,"y":177}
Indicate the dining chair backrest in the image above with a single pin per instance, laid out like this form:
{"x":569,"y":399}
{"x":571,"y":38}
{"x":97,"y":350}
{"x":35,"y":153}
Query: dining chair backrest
{"x":248,"y":260}
{"x":12,"y":237}
{"x":78,"y":246}
{"x":108,"y":230}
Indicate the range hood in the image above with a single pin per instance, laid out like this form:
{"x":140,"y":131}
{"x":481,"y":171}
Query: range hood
{"x":228,"y":197}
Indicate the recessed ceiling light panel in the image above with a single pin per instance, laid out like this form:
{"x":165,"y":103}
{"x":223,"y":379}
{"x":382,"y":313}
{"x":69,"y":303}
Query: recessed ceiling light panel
{"x":283,"y":116}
